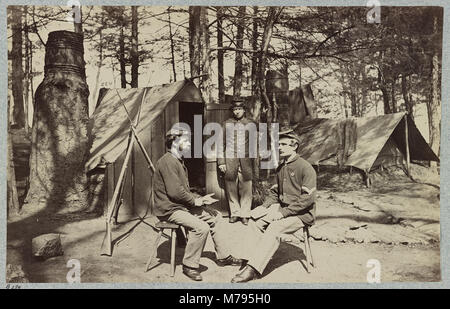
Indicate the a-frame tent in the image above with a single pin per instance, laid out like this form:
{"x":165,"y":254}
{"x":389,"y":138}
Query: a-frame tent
{"x":124,"y":118}
{"x":366,"y":142}
{"x":110,"y":126}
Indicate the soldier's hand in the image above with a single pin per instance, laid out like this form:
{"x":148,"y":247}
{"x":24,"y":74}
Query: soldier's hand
{"x":198,"y":201}
{"x":223,"y":168}
{"x":208,"y":199}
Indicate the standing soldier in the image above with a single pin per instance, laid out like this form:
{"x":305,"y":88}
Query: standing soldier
{"x":237,"y":163}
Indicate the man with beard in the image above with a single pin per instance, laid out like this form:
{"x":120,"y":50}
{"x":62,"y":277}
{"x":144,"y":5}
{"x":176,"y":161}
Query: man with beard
{"x":174,"y":202}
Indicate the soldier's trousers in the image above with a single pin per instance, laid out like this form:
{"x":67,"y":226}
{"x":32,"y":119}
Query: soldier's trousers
{"x":200,"y":223}
{"x":267,"y":240}
{"x":239,"y":196}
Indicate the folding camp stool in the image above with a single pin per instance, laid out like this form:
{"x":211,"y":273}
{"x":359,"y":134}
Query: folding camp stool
{"x":307,"y":247}
{"x":172,"y":238}
{"x":308,"y":253}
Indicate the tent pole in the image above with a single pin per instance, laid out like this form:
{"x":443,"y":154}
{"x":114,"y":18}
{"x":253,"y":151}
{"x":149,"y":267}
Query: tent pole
{"x":106,"y":248}
{"x":367,"y":178}
{"x":407,"y":145}
{"x":144,"y":152}
{"x":134,"y":123}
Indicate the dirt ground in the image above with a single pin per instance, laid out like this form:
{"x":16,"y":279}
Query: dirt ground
{"x":400,"y":228}
{"x":396,"y":221}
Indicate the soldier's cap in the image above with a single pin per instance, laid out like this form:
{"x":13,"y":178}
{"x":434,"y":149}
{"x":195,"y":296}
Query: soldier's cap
{"x":177,"y":130}
{"x":236,"y":103}
{"x":289,"y":133}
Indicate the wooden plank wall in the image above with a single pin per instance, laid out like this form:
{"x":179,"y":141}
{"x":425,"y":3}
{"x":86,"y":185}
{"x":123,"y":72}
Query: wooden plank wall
{"x":214,"y":180}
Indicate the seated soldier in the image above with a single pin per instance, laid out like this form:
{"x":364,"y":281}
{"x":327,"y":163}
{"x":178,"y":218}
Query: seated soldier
{"x":174,"y":202}
{"x":289,"y":207}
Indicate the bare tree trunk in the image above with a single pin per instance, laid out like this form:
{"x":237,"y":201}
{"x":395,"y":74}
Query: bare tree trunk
{"x":172,"y":47}
{"x":205,"y":59}
{"x":184,"y":65}
{"x":387,"y":108}
{"x":382,"y":85}
{"x":30,"y":55}
{"x":384,"y":91}
{"x":220,"y":77}
{"x":393,"y":99}
{"x":353,"y":102}
{"x":194,"y":41}
{"x":364,"y":90}
{"x":123,"y":76}
{"x":237,"y":85}
{"x":17,"y":69}
{"x":273,"y":13}
{"x":134,"y":55}
{"x":99,"y":67}
{"x":13,"y":198}
{"x":255,"y":56}
{"x":78,"y":26}
{"x":406,"y":97}
{"x":277,"y":87}
{"x":345,"y":91}
{"x":434,"y":105}
{"x":26,"y":79}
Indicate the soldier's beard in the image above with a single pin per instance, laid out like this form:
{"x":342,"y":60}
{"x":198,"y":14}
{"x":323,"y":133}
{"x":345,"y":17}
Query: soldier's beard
{"x":180,"y":150}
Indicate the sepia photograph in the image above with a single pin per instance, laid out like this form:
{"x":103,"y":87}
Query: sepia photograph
{"x":223,"y":144}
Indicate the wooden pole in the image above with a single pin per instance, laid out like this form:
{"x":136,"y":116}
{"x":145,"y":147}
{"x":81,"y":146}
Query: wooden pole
{"x":106,"y":248}
{"x":145,"y":153}
{"x":367,"y":178}
{"x":133,"y":128}
{"x":407,"y":145}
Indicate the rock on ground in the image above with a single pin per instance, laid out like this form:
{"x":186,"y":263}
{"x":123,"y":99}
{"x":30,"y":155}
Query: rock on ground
{"x":46,"y":246}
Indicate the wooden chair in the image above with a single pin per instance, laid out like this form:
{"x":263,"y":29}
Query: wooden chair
{"x":173,"y":240}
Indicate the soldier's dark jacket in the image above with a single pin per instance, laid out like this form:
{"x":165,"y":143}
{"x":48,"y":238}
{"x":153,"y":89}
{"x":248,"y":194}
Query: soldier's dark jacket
{"x":233,"y":145}
{"x":171,"y":186}
{"x":296,"y":190}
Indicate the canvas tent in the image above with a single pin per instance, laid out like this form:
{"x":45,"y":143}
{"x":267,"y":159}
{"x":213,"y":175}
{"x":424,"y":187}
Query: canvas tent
{"x":128,"y":157}
{"x":364,"y":143}
{"x":110,"y":126}
{"x":162,"y":107}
